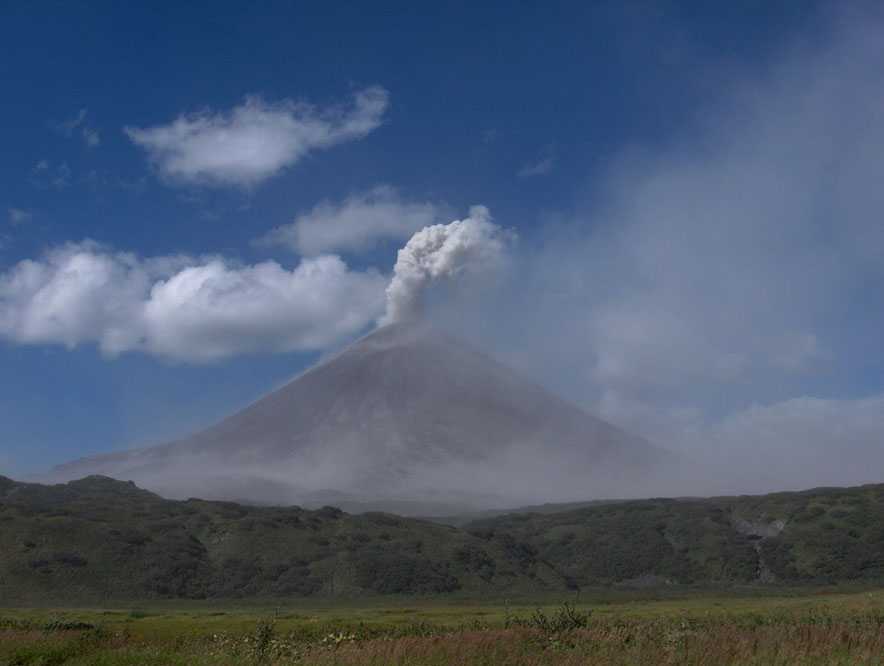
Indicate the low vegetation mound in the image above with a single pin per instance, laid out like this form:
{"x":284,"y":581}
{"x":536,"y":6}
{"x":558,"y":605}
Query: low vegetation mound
{"x":100,"y":539}
{"x":826,"y":535}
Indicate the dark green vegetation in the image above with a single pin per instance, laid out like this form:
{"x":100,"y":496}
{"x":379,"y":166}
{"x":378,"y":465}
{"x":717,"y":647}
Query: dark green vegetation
{"x":803,"y":629}
{"x":97,"y":539}
{"x":824,"y":535}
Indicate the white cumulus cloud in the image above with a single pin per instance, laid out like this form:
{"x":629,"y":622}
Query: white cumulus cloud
{"x":183,"y":308}
{"x":354,"y":224}
{"x":255,"y":140}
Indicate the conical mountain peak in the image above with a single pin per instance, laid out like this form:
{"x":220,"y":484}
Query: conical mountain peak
{"x":406,"y":413}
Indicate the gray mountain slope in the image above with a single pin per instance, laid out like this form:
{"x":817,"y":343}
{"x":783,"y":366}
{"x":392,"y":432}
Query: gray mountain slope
{"x":405,"y":415}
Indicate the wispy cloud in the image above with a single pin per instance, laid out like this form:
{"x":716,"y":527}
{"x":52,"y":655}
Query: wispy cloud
{"x":106,"y":179}
{"x":77,"y":125}
{"x":68,"y":126}
{"x":354,"y":224}
{"x":740,"y":264}
{"x":44,"y":175}
{"x":91,"y":136}
{"x":255,"y":140}
{"x":18,"y":216}
{"x":539,"y":168}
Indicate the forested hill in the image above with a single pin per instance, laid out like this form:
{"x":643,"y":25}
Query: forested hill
{"x":825,"y":535}
{"x":100,"y":539}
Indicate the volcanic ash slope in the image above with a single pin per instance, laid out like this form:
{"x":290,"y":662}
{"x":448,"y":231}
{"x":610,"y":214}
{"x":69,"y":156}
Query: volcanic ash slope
{"x":406,"y":419}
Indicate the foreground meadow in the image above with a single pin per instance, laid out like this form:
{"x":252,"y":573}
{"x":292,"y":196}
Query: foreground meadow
{"x":831,"y":628}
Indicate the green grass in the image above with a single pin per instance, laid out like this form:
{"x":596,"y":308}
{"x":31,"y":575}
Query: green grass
{"x":788,"y":578}
{"x":823,"y":627}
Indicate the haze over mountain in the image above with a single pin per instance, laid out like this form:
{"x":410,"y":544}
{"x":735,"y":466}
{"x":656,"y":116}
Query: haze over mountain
{"x":405,"y":419}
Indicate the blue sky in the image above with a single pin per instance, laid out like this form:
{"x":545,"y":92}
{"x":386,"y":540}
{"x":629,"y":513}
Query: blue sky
{"x":661,"y":164}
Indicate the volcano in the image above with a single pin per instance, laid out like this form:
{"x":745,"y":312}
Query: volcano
{"x":406,"y":419}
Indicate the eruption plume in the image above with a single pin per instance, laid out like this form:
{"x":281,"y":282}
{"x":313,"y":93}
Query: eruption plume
{"x":441,"y":251}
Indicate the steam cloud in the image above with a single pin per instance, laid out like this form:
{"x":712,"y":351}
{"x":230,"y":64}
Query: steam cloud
{"x":210,"y":308}
{"x":441,"y":251}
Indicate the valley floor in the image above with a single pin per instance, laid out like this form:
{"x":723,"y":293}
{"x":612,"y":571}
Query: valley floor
{"x":810,"y":627}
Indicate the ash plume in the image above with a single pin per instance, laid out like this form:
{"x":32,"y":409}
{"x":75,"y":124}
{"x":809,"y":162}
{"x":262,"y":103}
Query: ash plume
{"x":441,"y":251}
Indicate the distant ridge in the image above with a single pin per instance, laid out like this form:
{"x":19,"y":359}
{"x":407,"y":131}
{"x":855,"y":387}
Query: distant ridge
{"x":406,"y":419}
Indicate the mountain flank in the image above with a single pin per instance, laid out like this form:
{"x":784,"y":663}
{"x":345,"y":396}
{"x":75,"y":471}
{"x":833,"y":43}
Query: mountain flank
{"x":407,"y":419}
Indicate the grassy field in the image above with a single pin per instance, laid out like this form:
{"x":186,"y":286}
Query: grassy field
{"x":608,"y":628}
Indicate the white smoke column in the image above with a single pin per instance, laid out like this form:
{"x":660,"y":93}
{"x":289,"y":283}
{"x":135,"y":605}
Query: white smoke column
{"x":441,"y":251}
